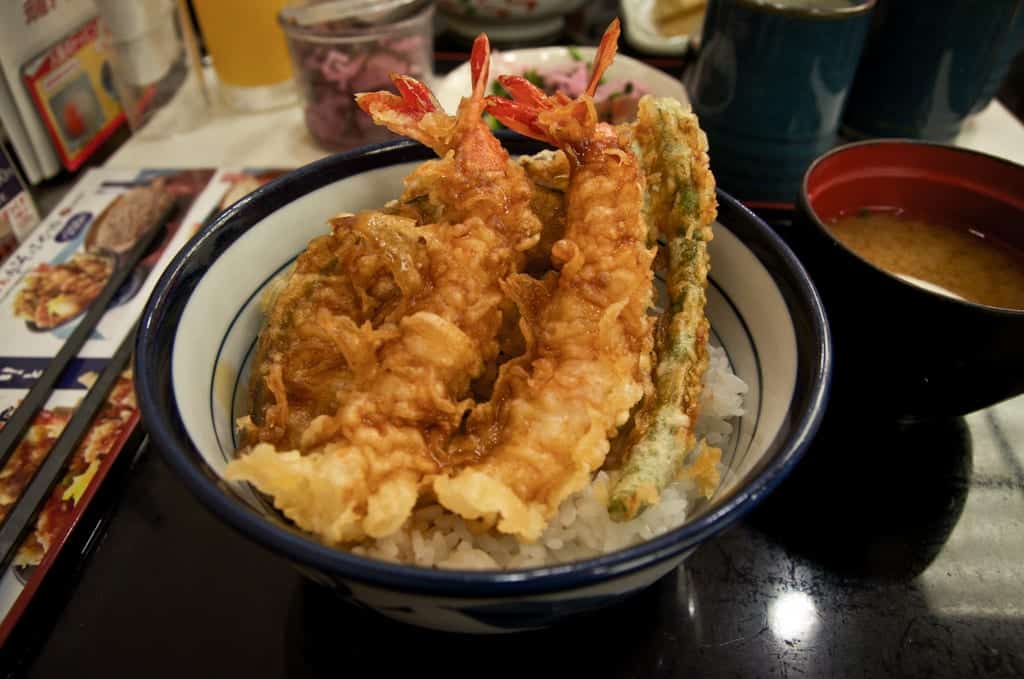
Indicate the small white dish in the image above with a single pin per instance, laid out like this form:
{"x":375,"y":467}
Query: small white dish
{"x":457,"y":84}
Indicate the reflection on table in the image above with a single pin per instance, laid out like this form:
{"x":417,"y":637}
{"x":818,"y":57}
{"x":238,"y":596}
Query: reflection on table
{"x":904,"y":558}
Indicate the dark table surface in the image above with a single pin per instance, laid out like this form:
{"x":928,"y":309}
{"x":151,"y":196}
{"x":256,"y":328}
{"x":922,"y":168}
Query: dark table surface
{"x":904,"y":558}
{"x":892,"y":550}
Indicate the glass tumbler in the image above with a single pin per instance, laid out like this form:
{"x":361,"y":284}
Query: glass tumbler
{"x":248,"y":51}
{"x":154,"y":66}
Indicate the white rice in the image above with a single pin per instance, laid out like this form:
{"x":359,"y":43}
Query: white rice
{"x":582,"y":528}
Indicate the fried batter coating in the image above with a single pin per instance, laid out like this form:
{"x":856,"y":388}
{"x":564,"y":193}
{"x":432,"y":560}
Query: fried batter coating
{"x":680,"y":206}
{"x":589,"y":336}
{"x":363,"y":270}
{"x":548,"y":171}
{"x":364,"y":442}
{"x":525,"y":284}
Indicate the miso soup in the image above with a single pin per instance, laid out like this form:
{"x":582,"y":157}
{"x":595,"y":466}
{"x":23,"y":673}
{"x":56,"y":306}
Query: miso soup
{"x":957,"y":261}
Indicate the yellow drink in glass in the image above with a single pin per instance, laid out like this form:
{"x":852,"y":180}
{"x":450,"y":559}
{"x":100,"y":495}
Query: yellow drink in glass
{"x":249,"y":51}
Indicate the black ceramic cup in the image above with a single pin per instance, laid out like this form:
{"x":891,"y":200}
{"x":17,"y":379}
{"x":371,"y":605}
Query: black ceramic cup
{"x":769,"y":84}
{"x":902,"y":350}
{"x":927,"y":66}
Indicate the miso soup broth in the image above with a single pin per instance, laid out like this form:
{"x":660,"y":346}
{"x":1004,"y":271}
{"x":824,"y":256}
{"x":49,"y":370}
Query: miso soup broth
{"x":957,"y":261}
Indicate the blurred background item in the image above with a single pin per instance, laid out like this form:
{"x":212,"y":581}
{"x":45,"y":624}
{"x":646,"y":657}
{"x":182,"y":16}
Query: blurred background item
{"x":586,"y":25}
{"x":678,"y":17}
{"x":248,"y":50}
{"x":662,"y":26}
{"x":27,"y":29}
{"x":347,"y":46}
{"x":925,"y":70}
{"x":509,"y":23}
{"x":769,"y":84}
{"x":151,"y":47}
{"x":67,"y":83}
{"x":18,"y":215}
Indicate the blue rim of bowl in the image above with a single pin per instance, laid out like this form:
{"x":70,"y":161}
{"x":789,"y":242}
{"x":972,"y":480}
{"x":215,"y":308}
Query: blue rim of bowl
{"x":154,"y":349}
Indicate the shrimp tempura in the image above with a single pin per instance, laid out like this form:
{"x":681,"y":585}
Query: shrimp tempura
{"x":376,"y":435}
{"x":589,"y":337}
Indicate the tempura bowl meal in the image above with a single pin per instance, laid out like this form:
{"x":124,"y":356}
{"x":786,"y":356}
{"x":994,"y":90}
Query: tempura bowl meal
{"x":918,"y":251}
{"x":482,"y":383}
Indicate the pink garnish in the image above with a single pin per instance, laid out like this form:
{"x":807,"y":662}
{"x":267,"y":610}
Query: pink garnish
{"x":407,"y":44}
{"x":375,"y":76}
{"x":572,"y":81}
{"x":340,"y":68}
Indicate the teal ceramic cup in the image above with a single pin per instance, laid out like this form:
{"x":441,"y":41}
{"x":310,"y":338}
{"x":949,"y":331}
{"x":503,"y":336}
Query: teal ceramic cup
{"x":926,"y":67}
{"x":769,"y":85}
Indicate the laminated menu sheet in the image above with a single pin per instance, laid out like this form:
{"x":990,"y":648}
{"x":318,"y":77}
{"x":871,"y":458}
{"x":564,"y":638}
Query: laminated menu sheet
{"x":46,"y":286}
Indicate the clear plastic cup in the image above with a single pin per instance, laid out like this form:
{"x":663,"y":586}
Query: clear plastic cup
{"x":155,"y":67}
{"x":343,"y":47}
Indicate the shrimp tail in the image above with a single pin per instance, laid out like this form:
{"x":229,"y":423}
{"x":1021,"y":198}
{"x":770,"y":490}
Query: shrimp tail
{"x":413,"y":101}
{"x":605,"y":54}
{"x":520,"y":113}
{"x":403,"y":113}
{"x":415,"y":113}
{"x":557,"y":120}
{"x":480,"y":66}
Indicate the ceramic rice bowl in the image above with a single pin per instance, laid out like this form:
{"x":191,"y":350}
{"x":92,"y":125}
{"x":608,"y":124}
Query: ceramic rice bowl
{"x":200,"y":326}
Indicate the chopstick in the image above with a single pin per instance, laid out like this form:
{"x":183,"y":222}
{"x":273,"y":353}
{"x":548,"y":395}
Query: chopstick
{"x":23,"y":515}
{"x":37,"y":396}
{"x":192,"y":48}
